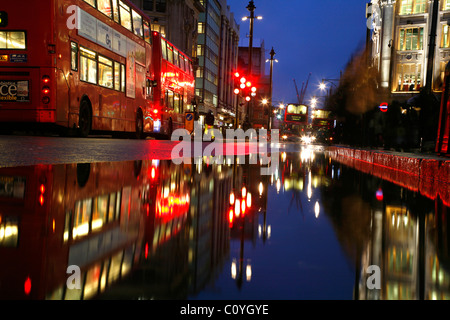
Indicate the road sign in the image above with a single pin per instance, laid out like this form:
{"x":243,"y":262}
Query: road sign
{"x":384,"y":107}
{"x":189,"y":121}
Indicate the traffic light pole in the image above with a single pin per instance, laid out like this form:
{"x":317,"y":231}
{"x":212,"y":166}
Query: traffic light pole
{"x":272,"y":54}
{"x":251,"y":8}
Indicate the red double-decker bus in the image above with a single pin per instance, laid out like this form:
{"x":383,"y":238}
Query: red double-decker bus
{"x":79,"y":64}
{"x":174,"y":85}
{"x":296,"y":116}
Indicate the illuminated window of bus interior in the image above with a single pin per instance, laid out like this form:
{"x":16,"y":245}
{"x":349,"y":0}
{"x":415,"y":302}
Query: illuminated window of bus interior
{"x":175,"y":58}
{"x":169,"y":53}
{"x":9,"y":232}
{"x":116,"y":76}
{"x":125,"y":15}
{"x":105,"y":70}
{"x":91,"y":2}
{"x":137,"y":24}
{"x":104,"y":6}
{"x":115,"y":11}
{"x":74,"y":56}
{"x":147,"y":32}
{"x":12,"y":40}
{"x":164,"y":49}
{"x":88,"y":65}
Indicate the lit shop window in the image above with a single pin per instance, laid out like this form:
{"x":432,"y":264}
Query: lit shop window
{"x":12,"y":40}
{"x":88,"y":65}
{"x":413,"y":6}
{"x":409,"y":77}
{"x":410,"y":39}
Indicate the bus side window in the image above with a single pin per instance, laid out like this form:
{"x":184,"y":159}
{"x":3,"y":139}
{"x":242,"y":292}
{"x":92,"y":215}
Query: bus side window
{"x":74,"y":56}
{"x":149,"y":89}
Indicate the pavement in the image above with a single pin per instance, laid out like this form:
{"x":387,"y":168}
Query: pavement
{"x":426,"y":173}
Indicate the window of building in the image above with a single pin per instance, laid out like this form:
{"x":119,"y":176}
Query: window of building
{"x":413,"y":7}
{"x":104,"y":6}
{"x":200,"y":50}
{"x":105,"y":72}
{"x":88,"y":65}
{"x":199,"y":72}
{"x":201,"y":27}
{"x":409,"y":77}
{"x":160,"y":6}
{"x":148,"y":5}
{"x":12,"y":40}
{"x":410,"y":39}
{"x":125,"y":15}
{"x":445,"y":39}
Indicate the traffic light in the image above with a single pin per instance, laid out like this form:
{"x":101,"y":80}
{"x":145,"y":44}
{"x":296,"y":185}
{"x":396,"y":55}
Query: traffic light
{"x":244,"y":86}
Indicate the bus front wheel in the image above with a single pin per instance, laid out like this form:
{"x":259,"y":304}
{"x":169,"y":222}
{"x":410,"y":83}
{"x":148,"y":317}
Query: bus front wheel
{"x":85,"y":119}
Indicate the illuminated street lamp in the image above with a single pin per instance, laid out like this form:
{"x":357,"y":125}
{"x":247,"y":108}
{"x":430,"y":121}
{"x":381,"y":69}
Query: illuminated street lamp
{"x":251,"y":8}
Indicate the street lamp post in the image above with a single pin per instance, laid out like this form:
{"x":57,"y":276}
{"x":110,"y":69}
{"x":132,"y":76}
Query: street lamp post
{"x":272,"y":54}
{"x":251,"y":8}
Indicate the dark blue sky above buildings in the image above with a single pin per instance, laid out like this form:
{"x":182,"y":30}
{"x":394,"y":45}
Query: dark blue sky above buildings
{"x":308,"y":36}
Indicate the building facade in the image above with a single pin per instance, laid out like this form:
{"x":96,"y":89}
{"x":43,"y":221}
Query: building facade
{"x":176,"y":20}
{"x":401,"y":42}
{"x":257,"y":111}
{"x":229,"y":44}
{"x":207,"y":31}
{"x":217,"y":47}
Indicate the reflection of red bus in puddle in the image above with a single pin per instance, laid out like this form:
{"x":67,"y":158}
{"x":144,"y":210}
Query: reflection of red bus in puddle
{"x":54,"y":216}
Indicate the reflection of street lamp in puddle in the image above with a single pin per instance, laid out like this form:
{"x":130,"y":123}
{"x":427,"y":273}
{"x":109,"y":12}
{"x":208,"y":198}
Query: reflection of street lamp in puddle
{"x":309,"y":189}
{"x":317,"y":209}
{"x":234,"y":270}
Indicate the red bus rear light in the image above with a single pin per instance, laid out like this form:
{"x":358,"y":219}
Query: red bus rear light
{"x":45,"y":100}
{"x":46,"y":90}
{"x":45,"y":79}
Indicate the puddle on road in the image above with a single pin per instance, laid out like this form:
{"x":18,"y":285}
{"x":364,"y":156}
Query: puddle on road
{"x":156,"y":230}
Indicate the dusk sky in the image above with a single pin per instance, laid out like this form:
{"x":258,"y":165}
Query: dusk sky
{"x":308,"y":36}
